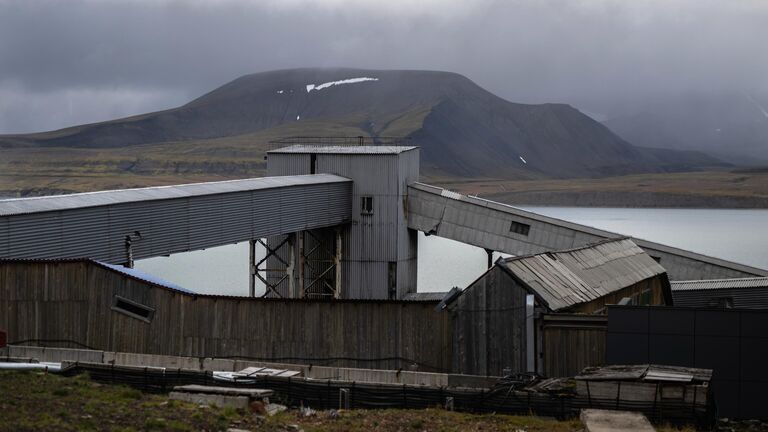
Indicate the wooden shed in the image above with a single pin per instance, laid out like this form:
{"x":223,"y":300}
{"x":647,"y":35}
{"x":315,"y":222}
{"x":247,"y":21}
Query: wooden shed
{"x":545,"y":313}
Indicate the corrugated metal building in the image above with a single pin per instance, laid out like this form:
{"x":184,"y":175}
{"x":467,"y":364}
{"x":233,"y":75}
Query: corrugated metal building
{"x":378,"y":251}
{"x":498,"y":319}
{"x":111,"y":225}
{"x":746,"y":293}
{"x":504,"y":228}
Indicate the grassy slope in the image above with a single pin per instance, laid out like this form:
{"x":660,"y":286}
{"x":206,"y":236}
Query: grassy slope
{"x":32,"y":401}
{"x":692,"y":189}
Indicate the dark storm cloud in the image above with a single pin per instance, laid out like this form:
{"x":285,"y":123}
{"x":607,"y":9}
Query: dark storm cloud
{"x":67,"y":62}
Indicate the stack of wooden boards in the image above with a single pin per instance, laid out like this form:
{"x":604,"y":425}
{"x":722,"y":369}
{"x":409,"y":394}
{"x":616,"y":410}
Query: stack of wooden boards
{"x":652,"y":384}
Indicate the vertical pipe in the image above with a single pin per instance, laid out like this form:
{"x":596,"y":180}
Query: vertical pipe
{"x":530,"y":345}
{"x":252,"y":268}
{"x":337,"y":261}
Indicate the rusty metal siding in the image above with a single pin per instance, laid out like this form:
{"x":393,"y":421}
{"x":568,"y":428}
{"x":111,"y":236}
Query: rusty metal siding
{"x":179,"y":224}
{"x":486,"y":224}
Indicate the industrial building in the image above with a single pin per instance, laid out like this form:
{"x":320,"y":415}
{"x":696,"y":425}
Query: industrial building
{"x":341,"y":226}
{"x":745,"y":293}
{"x":498,"y":321}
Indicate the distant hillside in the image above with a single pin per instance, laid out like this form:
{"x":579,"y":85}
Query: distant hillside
{"x":462,"y":130}
{"x":730,"y":126}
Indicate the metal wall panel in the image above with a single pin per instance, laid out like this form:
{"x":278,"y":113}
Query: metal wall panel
{"x":176,"y":224}
{"x":374,"y":240}
{"x":734,"y":343}
{"x":486,"y":224}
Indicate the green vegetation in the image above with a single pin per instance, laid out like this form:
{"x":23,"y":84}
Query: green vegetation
{"x":36,"y":401}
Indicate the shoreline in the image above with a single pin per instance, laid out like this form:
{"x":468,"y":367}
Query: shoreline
{"x":627,"y":200}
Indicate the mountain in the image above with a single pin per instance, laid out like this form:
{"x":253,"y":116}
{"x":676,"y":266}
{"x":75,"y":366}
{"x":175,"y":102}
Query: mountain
{"x":730,"y":126}
{"x":462,"y":129}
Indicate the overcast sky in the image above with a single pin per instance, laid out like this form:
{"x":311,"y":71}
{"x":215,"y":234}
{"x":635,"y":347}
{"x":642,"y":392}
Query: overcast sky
{"x":73,"y":61}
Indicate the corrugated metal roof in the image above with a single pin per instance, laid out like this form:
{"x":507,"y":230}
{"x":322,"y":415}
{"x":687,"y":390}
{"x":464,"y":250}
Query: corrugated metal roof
{"x":16,"y":206}
{"x":344,"y":149}
{"x":712,"y":284}
{"x":575,"y":276}
{"x":145,"y":277}
{"x":747,"y":293}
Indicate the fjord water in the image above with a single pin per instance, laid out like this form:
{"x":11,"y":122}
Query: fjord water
{"x":736,"y":235}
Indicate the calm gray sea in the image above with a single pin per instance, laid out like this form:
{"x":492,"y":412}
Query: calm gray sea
{"x":737,"y":235}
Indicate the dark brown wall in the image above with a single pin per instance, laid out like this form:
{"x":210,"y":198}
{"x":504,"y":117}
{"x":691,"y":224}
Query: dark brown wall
{"x":654,"y":284}
{"x":489,"y":326}
{"x":73,"y":300}
{"x":571,"y":342}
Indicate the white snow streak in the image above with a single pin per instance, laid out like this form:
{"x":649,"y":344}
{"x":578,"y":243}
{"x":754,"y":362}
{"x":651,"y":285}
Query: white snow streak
{"x":280,"y":92}
{"x":311,"y":87}
{"x":521,"y":158}
{"x":298,"y":117}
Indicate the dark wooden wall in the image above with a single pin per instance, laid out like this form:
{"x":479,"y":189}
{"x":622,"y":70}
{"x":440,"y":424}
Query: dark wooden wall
{"x":656,"y":286}
{"x":489,"y":326}
{"x":73,"y":300}
{"x":571,"y":342}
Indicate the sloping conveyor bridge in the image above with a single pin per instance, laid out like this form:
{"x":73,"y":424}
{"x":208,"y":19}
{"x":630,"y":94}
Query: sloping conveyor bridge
{"x":119,"y":226}
{"x":503,"y":228}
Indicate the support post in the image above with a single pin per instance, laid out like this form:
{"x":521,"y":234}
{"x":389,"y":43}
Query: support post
{"x":290,"y":270}
{"x":489,"y":252}
{"x":337,"y":262}
{"x":252,"y":268}
{"x":530,"y":345}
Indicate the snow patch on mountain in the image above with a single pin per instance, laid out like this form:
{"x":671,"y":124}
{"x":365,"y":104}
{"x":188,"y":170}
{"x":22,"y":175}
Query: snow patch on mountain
{"x":318,"y":87}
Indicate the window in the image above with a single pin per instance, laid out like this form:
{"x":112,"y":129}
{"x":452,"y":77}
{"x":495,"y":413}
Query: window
{"x":133,"y":309}
{"x":366,"y":205}
{"x":721,"y":302}
{"x":519,"y":228}
{"x":646,"y":297}
{"x":657,"y":259}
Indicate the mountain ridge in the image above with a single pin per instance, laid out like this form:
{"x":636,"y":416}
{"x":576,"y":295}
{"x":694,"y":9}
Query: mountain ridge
{"x":462,"y":129}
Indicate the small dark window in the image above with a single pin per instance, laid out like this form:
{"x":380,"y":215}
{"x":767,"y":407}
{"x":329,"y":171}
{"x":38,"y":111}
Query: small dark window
{"x":657,"y":259}
{"x":519,"y":228}
{"x":133,"y":309}
{"x":313,"y":163}
{"x":392,"y":280}
{"x":646,"y":297}
{"x":721,"y":302}
{"x":366,"y":205}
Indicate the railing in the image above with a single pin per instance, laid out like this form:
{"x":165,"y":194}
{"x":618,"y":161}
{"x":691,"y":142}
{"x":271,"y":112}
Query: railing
{"x":342,"y":141}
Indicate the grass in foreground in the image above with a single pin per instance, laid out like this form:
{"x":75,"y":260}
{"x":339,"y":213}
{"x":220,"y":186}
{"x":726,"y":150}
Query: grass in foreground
{"x":33,"y":401}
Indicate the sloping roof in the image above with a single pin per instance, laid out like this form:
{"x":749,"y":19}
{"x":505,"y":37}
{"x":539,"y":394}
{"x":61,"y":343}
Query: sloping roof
{"x":17,"y":206}
{"x":713,"y":284}
{"x":145,"y":277}
{"x":567,"y":278}
{"x":299,"y":148}
{"x":425,"y":296}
